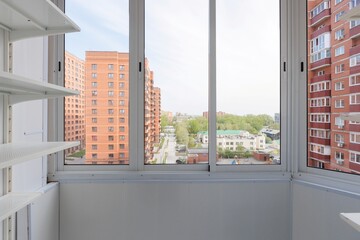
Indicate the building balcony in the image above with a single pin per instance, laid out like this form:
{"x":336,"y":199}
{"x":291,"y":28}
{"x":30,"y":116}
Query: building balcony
{"x":320,"y":157}
{"x":321,"y":141}
{"x":355,"y":69}
{"x":320,"y":78}
{"x":325,"y":93}
{"x":354,"y":166}
{"x":354,"y":147}
{"x":355,"y":89}
{"x":321,"y":31}
{"x":321,"y":63}
{"x":354,"y":32}
{"x":320,"y":109}
{"x":355,"y":108}
{"x":354,"y":50}
{"x":326,"y":126}
{"x":320,"y":17}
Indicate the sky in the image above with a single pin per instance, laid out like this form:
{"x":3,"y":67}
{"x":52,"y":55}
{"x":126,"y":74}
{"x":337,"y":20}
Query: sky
{"x":176,"y":45}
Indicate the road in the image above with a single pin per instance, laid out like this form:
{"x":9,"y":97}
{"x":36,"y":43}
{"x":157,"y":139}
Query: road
{"x":168,"y":149}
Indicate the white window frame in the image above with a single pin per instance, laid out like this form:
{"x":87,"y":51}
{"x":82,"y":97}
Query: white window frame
{"x":339,"y":51}
{"x":339,"y":103}
{"x":339,"y":86}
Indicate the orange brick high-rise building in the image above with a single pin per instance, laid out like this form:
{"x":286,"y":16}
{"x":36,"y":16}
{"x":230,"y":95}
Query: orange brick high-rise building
{"x":74,"y":122}
{"x":333,"y":86}
{"x":107,"y":108}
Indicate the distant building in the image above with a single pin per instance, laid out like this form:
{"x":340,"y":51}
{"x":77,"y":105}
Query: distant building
{"x":197,"y":155}
{"x":169,"y":115}
{"x":230,"y":139}
{"x":206,"y":114}
{"x":74,"y":127}
{"x":271,"y":133}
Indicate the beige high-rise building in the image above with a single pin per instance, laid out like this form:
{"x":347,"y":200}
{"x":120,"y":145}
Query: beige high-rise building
{"x":107,"y":108}
{"x":75,"y":105}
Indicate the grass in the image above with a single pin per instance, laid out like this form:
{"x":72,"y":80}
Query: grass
{"x":79,"y":154}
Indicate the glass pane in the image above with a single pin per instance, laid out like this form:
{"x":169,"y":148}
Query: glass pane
{"x":248,"y":82}
{"x":333,"y":87}
{"x":176,"y":81}
{"x":97,"y":65}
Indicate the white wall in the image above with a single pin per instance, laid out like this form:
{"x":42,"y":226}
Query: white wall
{"x":316,"y":213}
{"x":28,"y":117}
{"x":163,"y":210}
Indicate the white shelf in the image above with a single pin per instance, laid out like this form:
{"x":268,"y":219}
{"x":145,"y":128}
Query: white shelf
{"x":352,"y":218}
{"x":351,"y":117}
{"x":13,"y":202}
{"x":21,"y":89}
{"x":14,"y":153}
{"x":26,"y":19}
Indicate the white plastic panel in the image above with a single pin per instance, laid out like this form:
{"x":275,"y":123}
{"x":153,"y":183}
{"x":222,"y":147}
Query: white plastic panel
{"x":352,"y":218}
{"x":163,"y":210}
{"x":26,"y":19}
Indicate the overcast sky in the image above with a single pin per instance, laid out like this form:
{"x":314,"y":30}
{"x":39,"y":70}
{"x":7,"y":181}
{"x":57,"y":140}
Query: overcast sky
{"x":177,"y":48}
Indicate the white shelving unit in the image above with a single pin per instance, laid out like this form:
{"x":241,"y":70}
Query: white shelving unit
{"x":14,"y":153}
{"x":26,"y":19}
{"x":21,"y":19}
{"x":13,"y":202}
{"x":352,"y":218}
{"x":21,"y":89}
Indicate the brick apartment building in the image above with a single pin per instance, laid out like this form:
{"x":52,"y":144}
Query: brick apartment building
{"x":107,"y":108}
{"x":74,"y":122}
{"x":333,"y":86}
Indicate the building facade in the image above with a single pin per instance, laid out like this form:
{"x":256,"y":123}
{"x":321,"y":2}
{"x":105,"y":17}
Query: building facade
{"x":107,"y":108}
{"x":333,"y":86}
{"x":74,"y":122}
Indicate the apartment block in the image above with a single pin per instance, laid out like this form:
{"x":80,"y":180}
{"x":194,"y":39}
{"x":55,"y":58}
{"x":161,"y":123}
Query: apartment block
{"x":74,"y":122}
{"x":333,"y":86}
{"x":107,"y":108}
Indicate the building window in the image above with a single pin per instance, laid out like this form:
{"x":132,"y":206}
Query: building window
{"x":340,"y":34}
{"x":340,"y":68}
{"x":320,"y":133}
{"x":110,"y":102}
{"x":110,"y":120}
{"x":338,"y":15}
{"x":121,"y":146}
{"x":94,"y":120}
{"x":122,"y":76}
{"x":121,"y":129}
{"x":355,"y":60}
{"x":122,"y":67}
{"x":319,"y":8}
{"x":111,"y":129}
{"x":320,"y":47}
{"x":320,"y":117}
{"x":339,"y":103}
{"x":110,"y":66}
{"x":121,"y":94}
{"x":355,"y":99}
{"x":94,"y":111}
{"x":320,"y":102}
{"x":110,"y":75}
{"x":338,"y":1}
{"x":339,"y":122}
{"x":122,"y":103}
{"x":339,"y":138}
{"x":354,"y":23}
{"x":122,"y":111}
{"x":94,"y":93}
{"x":111,"y":147}
{"x":339,"y":51}
{"x":121,"y":120}
{"x":320,"y":86}
{"x":93,"y":66}
{"x":355,"y":157}
{"x":94,"y":129}
{"x":110,"y":138}
{"x":110,"y":84}
{"x":339,"y":86}
{"x":355,"y":137}
{"x":354,"y":80}
{"x":94,"y":138}
{"x":110,"y":93}
{"x":94,"y":155}
{"x":110,"y":111}
{"x":94,"y":147}
{"x":94,"y":102}
{"x":94,"y":84}
{"x":121,"y":85}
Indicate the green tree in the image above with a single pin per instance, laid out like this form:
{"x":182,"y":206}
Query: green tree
{"x":164,"y":122}
{"x":182,"y":134}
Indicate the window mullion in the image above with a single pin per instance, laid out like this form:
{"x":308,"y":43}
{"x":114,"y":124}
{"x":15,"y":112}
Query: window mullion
{"x":212,"y":85}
